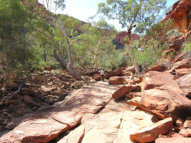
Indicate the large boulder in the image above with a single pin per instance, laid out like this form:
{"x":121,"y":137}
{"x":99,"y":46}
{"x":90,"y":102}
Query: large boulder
{"x":150,"y":133}
{"x":181,"y":14}
{"x":182,"y":56}
{"x":97,"y":77}
{"x":162,"y":95}
{"x":185,"y":63}
{"x":185,"y":84}
{"x":123,"y":90}
{"x":116,"y":80}
{"x":47,"y":123}
{"x":183,"y":71}
{"x":160,"y":68}
{"x":42,"y":127}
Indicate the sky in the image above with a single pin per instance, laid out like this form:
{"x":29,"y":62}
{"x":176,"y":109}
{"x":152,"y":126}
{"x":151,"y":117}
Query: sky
{"x":82,"y":9}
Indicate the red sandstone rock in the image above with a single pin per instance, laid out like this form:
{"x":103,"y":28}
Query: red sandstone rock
{"x":183,"y":71}
{"x":160,"y":68}
{"x":185,"y":63}
{"x":123,"y":90}
{"x":35,"y":130}
{"x":157,"y":79}
{"x":116,"y":80}
{"x":48,"y":123}
{"x":74,"y":136}
{"x":173,"y":134}
{"x":179,"y":122}
{"x":121,"y":37}
{"x":133,"y":94}
{"x":131,"y":69}
{"x":117,"y":72}
{"x":173,"y":140}
{"x":181,"y":15}
{"x":186,"y":129}
{"x":97,"y":77}
{"x":47,"y":68}
{"x":162,"y":95}
{"x":150,"y":133}
{"x":185,"y":84}
{"x":137,"y":80}
{"x":183,"y":56}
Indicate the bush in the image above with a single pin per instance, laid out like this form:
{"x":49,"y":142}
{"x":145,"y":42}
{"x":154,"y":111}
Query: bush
{"x":187,"y":45}
{"x":147,"y":55}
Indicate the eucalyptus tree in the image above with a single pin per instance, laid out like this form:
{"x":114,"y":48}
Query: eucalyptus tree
{"x":57,"y":24}
{"x":137,"y":14}
{"x":97,"y":38}
{"x":14,"y":27}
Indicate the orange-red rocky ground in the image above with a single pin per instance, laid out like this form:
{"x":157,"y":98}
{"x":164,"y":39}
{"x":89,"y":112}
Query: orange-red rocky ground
{"x":36,"y":90}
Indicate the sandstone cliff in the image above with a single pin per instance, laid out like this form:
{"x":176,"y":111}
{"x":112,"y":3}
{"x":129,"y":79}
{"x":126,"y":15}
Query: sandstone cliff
{"x":181,"y":14}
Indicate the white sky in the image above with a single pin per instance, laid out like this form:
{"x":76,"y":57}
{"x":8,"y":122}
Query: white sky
{"x":82,"y":9}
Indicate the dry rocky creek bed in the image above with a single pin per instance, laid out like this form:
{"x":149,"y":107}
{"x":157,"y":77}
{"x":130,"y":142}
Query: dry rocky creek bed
{"x":150,"y":107}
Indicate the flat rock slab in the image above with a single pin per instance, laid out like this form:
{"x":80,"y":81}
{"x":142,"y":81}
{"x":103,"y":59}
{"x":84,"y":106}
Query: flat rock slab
{"x":162,"y":95}
{"x":150,"y":133}
{"x":74,"y":136}
{"x":103,"y":127}
{"x":89,"y":99}
{"x":130,"y":122}
{"x":46,"y":124}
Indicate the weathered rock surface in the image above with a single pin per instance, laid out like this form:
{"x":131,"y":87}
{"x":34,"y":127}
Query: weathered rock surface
{"x":181,"y":15}
{"x":182,"y":56}
{"x":116,"y":80}
{"x":133,"y":94}
{"x":48,"y":123}
{"x":123,"y":90}
{"x":131,"y":121}
{"x":97,"y":77}
{"x":149,"y":134}
{"x":103,"y":127}
{"x":117,"y":72}
{"x":183,"y":71}
{"x":186,"y":128}
{"x":185,"y":63}
{"x":160,"y":68}
{"x":173,"y":140}
{"x":74,"y":136}
{"x":163,"y":96}
{"x":185,"y":84}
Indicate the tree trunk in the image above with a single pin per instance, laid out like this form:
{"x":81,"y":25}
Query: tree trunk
{"x":129,"y":31}
{"x":60,"y":60}
{"x":96,"y":53}
{"x":70,"y":66}
{"x":74,"y":72}
{"x":64,"y":65}
{"x":131,"y":55}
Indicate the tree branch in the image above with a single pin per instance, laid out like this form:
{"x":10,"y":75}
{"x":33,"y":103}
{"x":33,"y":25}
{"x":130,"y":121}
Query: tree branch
{"x":47,"y":36}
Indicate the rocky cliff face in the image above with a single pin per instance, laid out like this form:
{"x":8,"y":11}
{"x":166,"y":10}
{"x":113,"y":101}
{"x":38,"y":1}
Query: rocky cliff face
{"x":119,"y":41}
{"x":181,"y":13}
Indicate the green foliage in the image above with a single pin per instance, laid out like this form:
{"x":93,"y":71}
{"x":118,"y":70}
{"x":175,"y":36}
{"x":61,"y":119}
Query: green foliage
{"x":143,"y":13}
{"x":96,"y":49}
{"x":187,"y":45}
{"x":14,"y":43}
{"x":148,"y":55}
{"x":161,"y":31}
